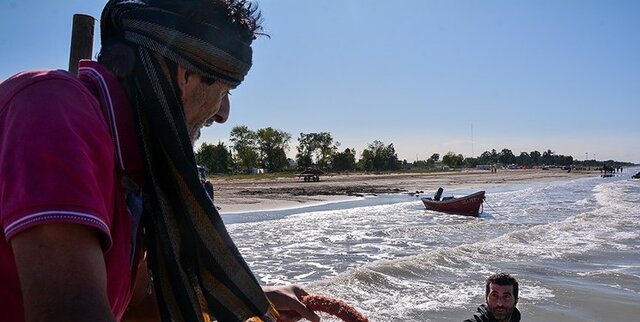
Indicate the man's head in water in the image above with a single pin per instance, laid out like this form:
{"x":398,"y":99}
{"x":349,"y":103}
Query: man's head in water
{"x":501,"y":295}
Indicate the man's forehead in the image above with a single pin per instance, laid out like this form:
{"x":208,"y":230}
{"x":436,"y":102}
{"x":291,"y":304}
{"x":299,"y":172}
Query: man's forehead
{"x":493,"y":287}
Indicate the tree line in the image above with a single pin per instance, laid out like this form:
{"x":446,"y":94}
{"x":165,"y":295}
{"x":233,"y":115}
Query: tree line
{"x":266,"y":148}
{"x":506,"y":157}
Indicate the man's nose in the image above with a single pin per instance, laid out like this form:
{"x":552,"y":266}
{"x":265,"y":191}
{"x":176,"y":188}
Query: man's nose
{"x":223,"y":112}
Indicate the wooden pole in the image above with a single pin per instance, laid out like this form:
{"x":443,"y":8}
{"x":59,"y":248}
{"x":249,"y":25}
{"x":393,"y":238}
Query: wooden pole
{"x":81,"y":40}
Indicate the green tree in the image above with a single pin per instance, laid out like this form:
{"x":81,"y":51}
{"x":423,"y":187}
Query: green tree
{"x":205,"y":156}
{"x":273,"y":145}
{"x":378,"y":157}
{"x":547,"y":157}
{"x":304,"y":161}
{"x":306,"y":146}
{"x":244,"y":143}
{"x":433,"y":158}
{"x":489,"y":157}
{"x":216,"y":158}
{"x":453,"y":160}
{"x":506,"y":157}
{"x":536,"y":157}
{"x":564,"y":160}
{"x":390,"y":158}
{"x":524,"y":158}
{"x":315,"y":149}
{"x":470,"y":162}
{"x":421,"y":163}
{"x":344,"y":161}
{"x":366,"y":160}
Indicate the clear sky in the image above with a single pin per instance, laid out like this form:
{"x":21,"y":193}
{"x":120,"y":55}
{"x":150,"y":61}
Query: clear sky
{"x":428,"y":76}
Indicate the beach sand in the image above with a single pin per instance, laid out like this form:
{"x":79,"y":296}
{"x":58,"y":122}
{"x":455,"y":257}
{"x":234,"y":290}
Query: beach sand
{"x":248,"y":195}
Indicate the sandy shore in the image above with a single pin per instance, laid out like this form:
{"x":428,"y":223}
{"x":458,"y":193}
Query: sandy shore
{"x":243,"y":195}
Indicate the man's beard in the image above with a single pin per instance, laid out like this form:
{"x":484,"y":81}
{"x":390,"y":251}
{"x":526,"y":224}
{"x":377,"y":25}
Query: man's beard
{"x":194,"y":135}
{"x":502,"y":316}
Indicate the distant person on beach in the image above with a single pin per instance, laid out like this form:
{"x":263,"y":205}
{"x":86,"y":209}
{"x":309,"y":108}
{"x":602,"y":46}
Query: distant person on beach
{"x":501,"y":296}
{"x":102,"y":212}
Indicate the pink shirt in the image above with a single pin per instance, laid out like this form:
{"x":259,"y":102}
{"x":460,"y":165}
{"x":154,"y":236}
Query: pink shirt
{"x":64,"y":145}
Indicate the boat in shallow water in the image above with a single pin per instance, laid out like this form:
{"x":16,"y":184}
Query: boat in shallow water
{"x":468,"y":205}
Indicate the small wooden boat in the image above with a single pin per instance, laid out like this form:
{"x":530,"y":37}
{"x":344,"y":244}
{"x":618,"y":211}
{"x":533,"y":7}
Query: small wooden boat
{"x":467,"y":205}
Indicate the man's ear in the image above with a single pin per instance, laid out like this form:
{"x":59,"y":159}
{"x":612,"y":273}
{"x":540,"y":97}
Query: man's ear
{"x":182,"y":76}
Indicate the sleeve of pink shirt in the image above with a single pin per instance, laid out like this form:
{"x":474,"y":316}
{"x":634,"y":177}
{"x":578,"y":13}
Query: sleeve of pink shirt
{"x":56,"y":159}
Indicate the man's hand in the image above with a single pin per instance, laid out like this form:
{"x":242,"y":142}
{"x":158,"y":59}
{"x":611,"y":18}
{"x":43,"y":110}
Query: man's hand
{"x":286,"y":299}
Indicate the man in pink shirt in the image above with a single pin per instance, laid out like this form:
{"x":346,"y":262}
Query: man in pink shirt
{"x":95,"y":166}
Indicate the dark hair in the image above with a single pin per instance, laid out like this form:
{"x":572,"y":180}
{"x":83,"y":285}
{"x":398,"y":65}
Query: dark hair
{"x":502,"y":279}
{"x":235,"y":17}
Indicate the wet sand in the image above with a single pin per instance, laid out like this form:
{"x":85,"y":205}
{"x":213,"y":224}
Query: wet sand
{"x":247,"y":195}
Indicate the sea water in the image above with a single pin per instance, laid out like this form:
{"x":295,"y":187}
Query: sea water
{"x":573,"y":245}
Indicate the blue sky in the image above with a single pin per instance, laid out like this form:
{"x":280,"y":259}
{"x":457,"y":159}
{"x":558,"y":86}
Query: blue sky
{"x":428,"y":76}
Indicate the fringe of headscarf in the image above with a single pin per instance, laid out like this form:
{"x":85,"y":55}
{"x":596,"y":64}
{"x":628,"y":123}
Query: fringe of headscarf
{"x":197,"y":270}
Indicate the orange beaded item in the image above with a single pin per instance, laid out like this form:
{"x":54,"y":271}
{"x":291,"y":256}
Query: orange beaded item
{"x":335,"y":307}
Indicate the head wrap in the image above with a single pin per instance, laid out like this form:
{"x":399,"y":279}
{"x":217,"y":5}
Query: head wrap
{"x":197,"y":270}
{"x":207,"y":49}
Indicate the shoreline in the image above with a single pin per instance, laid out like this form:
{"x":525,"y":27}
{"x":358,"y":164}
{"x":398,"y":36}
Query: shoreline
{"x":235,"y":196}
{"x":266,"y":204}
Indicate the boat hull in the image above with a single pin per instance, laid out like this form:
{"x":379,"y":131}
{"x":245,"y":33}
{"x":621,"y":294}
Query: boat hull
{"x":467,"y":205}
